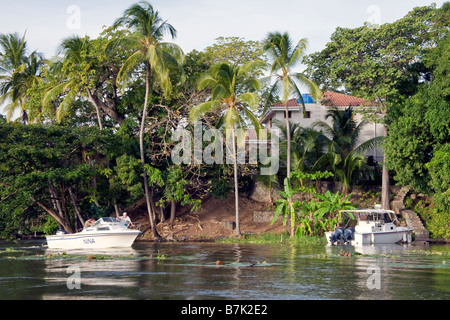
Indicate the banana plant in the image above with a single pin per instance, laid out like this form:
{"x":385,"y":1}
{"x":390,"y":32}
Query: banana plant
{"x":286,"y":206}
{"x":332,"y":204}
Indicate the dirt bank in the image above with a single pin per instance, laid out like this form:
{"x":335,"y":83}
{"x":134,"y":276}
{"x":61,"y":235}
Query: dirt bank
{"x":211,"y":222}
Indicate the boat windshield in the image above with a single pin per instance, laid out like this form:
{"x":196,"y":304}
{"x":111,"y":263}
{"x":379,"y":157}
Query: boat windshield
{"x":105,"y":220}
{"x":373,"y":215}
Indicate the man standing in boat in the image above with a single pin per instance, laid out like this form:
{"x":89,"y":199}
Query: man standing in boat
{"x":126,"y":220}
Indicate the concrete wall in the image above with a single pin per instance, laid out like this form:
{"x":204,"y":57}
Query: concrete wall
{"x":317,"y":113}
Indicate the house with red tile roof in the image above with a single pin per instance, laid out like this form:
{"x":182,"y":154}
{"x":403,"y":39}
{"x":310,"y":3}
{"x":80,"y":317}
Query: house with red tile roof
{"x":316,"y":111}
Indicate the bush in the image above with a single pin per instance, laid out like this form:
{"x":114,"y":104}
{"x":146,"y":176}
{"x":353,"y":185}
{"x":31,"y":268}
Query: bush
{"x":436,"y":220}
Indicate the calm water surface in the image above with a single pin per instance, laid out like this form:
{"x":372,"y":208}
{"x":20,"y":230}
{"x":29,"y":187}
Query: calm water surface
{"x":180,"y":271}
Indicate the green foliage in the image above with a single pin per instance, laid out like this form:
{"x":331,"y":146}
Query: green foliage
{"x":175,"y":189}
{"x":344,"y":155}
{"x":320,"y":214}
{"x":376,"y":63}
{"x":402,"y":65}
{"x":50,"y":226}
{"x":234,"y":51}
{"x":128,"y":175}
{"x":221,"y":188}
{"x":436,"y":217}
{"x":40,"y":163}
{"x":439,"y":170}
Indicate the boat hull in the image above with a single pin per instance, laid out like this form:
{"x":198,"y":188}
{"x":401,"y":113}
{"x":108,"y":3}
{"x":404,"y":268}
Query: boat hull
{"x":84,"y":240}
{"x":387,"y":237}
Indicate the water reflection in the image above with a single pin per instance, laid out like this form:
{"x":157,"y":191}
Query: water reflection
{"x":189,"y":271}
{"x":91,"y":270}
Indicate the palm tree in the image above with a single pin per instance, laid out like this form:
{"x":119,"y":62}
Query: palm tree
{"x":344,"y":155}
{"x":306,"y":146}
{"x":156,"y":56}
{"x":73,"y":69}
{"x":285,"y":57}
{"x":18,"y":73}
{"x":232,"y":92}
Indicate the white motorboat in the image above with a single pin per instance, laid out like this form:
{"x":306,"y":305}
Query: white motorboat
{"x":104,"y":233}
{"x":374,"y":226}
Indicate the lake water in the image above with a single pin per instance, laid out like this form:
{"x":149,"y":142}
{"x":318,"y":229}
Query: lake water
{"x":188,"y":271}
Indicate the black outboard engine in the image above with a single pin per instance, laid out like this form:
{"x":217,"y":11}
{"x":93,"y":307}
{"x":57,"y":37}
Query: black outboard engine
{"x":337,"y":236}
{"x":348,"y":235}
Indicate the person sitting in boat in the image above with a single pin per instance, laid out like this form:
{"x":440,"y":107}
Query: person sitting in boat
{"x":125,"y":219}
{"x":89,"y":222}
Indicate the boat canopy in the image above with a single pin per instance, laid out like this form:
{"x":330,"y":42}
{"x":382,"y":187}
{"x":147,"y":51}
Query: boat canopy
{"x":105,"y":220}
{"x":369,"y":211}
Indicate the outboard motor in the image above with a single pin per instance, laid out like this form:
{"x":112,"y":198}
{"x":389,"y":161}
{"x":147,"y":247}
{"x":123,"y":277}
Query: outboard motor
{"x":348,"y":235}
{"x":337,"y":236}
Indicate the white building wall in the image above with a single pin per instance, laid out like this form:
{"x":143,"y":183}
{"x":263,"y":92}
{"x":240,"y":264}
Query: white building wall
{"x":318,"y":113}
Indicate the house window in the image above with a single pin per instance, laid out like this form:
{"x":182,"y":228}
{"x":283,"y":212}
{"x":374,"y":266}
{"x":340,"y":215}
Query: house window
{"x":289,"y":114}
{"x":307,"y":115}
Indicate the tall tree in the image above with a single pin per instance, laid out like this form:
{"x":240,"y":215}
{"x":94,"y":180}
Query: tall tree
{"x":232,"y":92}
{"x":379,"y":64}
{"x":345,"y":154}
{"x":18,"y":72}
{"x":84,"y":71}
{"x":285,"y":56}
{"x":156,"y":57}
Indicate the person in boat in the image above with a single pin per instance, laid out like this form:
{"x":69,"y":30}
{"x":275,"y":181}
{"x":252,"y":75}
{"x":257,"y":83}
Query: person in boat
{"x":125,"y":219}
{"x":89,"y":222}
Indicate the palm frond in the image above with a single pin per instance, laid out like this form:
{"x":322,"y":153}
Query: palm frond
{"x":250,"y":98}
{"x":200,"y":110}
{"x":128,"y":66}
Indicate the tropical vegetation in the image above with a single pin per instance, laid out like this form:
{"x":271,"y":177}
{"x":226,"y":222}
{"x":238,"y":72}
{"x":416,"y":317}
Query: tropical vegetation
{"x":90,"y":132}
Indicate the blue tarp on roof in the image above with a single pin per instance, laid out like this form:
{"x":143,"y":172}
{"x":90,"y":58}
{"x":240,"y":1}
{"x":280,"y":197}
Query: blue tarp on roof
{"x":306,"y":98}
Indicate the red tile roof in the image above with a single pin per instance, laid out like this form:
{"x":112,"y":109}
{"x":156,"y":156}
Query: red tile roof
{"x":333,"y":99}
{"x":291,"y":103}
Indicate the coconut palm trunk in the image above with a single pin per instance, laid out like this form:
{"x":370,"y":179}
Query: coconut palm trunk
{"x":142,"y":152}
{"x":233,"y":90}
{"x":236,"y":186}
{"x":148,"y":30}
{"x":385,"y":196}
{"x":288,"y":139}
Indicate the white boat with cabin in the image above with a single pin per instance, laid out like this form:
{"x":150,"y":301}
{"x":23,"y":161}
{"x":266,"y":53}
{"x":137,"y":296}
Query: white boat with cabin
{"x":106,"y":232}
{"x":374,"y":226}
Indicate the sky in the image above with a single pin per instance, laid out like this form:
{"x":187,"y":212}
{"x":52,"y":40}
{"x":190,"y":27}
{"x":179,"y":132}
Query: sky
{"x":200,"y":22}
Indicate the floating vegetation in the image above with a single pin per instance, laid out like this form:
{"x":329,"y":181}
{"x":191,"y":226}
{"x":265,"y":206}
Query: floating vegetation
{"x":11,"y":250}
{"x":432,"y":252}
{"x":161,"y":257}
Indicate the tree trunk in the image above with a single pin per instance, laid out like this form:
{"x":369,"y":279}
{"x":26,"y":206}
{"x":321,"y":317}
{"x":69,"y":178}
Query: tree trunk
{"x":142,"y":151}
{"x":162,"y":217}
{"x":97,"y":109}
{"x":385,"y":196}
{"x":288,"y":161}
{"x":56,"y":202}
{"x":109,"y":108}
{"x":173,"y":210}
{"x":288,"y":141}
{"x":76,"y":207}
{"x":236,"y":187}
{"x":116,"y":209}
{"x":66,"y":225}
